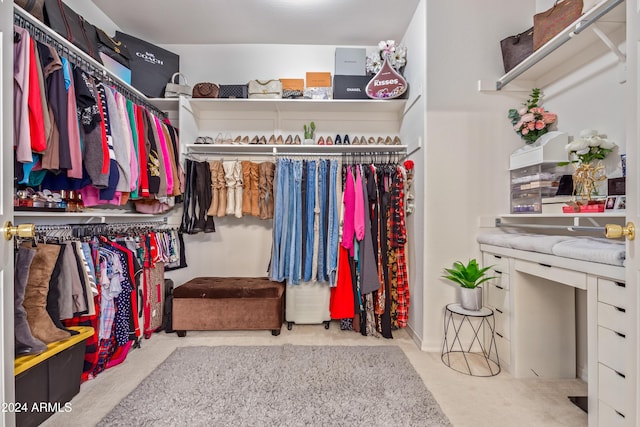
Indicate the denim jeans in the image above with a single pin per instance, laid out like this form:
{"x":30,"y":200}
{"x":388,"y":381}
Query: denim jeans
{"x":322,"y":196}
{"x":333,"y":226}
{"x":310,"y":206}
{"x":277,"y":268}
{"x":295,"y":232}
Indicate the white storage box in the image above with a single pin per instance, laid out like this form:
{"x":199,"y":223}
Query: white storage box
{"x":308,"y":303}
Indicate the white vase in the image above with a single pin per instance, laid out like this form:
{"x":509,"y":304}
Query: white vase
{"x":471,"y":298}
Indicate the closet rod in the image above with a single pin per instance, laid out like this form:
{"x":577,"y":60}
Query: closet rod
{"x":41,"y":32}
{"x":54,"y":227}
{"x":586,"y":229}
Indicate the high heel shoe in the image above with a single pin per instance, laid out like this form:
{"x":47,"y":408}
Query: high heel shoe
{"x":254,"y":140}
{"x":245,"y":139}
{"x":396,"y":141}
{"x":296,"y":140}
{"x":338,"y":140}
{"x":262,"y":140}
{"x":388,"y":141}
{"x":321,"y":141}
{"x":329,"y":141}
{"x":289,"y":140}
{"x":371,"y":141}
{"x":272,"y":140}
{"x":279,"y":140}
{"x":356,"y":141}
{"x":346,"y":140}
{"x":380,"y":141}
{"x":237,"y":140}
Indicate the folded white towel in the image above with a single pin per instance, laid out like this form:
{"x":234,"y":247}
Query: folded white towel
{"x":537,"y":242}
{"x":503,"y":239}
{"x":593,"y":250}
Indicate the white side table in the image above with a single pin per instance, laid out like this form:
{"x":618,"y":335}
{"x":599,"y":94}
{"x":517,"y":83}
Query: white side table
{"x":474,"y":363}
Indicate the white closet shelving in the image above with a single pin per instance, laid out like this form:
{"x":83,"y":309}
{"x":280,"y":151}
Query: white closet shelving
{"x":600,"y":29}
{"x":264,"y":117}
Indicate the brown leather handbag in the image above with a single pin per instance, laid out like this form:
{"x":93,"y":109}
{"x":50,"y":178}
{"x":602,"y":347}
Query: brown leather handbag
{"x":205,"y":90}
{"x":547,"y":24}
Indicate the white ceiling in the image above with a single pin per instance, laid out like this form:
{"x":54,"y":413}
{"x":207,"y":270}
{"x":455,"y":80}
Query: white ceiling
{"x":313,"y":22}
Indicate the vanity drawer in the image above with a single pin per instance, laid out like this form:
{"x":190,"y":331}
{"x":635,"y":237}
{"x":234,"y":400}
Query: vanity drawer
{"x":498,"y":297}
{"x":613,"y":389}
{"x":614,"y":293}
{"x":573,"y":278}
{"x":503,"y":346}
{"x":501,"y":317}
{"x":609,"y":417}
{"x":613,"y":350}
{"x":500,"y":264}
{"x":612,"y":317}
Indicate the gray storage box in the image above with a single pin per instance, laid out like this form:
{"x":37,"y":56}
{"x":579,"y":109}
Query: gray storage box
{"x":350,"y":61}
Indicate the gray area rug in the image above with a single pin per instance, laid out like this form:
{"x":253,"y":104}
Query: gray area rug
{"x":281,"y":386}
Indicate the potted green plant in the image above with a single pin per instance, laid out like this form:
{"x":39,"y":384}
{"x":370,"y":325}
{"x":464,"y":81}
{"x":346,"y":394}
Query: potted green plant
{"x":309,"y":133}
{"x":469,"y":277}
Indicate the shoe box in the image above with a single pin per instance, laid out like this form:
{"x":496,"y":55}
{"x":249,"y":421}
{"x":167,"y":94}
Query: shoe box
{"x":350,"y":61}
{"x":350,"y":87}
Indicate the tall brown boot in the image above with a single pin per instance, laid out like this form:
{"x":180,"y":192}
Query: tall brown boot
{"x":213,"y":208}
{"x":25,"y":343}
{"x":254,"y":190}
{"x":35,"y":297}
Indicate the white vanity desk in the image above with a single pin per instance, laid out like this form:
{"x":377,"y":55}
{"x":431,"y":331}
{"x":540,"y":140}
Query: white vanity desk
{"x":534,"y":299}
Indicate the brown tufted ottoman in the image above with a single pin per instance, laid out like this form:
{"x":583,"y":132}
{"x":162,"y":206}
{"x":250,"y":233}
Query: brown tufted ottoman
{"x":228,"y":303}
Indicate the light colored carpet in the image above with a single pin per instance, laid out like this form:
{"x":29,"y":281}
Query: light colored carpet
{"x":287,"y":385}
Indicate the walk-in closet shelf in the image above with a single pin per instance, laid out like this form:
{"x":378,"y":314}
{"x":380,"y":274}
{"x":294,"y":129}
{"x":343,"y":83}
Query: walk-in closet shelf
{"x":600,"y":29}
{"x":321,"y":150}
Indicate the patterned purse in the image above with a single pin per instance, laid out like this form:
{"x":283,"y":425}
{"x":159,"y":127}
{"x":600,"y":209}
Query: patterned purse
{"x":233,"y":91}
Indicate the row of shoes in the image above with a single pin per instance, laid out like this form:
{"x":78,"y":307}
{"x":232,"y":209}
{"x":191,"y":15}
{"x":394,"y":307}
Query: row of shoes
{"x":295,"y":140}
{"x":359,"y":141}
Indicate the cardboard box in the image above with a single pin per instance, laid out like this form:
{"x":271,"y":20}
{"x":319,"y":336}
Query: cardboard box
{"x":292,"y":84}
{"x":318,"y":79}
{"x":350,"y":61}
{"x":350,"y":87}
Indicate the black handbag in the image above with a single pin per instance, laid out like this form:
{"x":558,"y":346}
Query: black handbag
{"x":233,"y":91}
{"x":113,"y":48}
{"x":73,"y":27}
{"x":516,"y":48}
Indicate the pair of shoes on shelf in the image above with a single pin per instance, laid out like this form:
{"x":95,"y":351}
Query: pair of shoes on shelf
{"x":292,"y":140}
{"x":240,"y":140}
{"x":342,"y":141}
{"x":220,"y":139}
{"x":204,"y":140}
{"x":258,"y":140}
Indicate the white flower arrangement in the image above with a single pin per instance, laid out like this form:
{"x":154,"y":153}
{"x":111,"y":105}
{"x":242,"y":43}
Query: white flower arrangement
{"x":589,"y":146}
{"x":397,"y":55}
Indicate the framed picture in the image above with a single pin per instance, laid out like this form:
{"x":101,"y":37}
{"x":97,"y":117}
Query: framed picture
{"x":621,"y":202}
{"x":611,"y":203}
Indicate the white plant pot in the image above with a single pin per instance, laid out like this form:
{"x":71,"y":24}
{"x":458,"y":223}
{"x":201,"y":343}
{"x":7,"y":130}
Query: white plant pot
{"x":308,"y":141}
{"x":471,"y":298}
